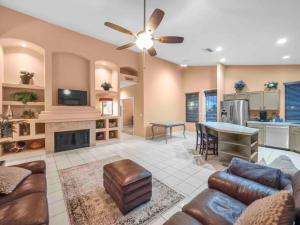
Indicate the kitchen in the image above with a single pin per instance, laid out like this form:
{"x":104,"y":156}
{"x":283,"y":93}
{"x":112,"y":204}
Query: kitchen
{"x":274,"y":112}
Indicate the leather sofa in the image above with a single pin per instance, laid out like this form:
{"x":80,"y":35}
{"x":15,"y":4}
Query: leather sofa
{"x":230,"y":191}
{"x":27,"y":204}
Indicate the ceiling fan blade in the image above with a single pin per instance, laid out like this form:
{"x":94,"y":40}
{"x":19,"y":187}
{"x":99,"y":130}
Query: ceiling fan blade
{"x":155,"y":20}
{"x":170,"y":39}
{"x":152,"y":51}
{"x":118,"y":28}
{"x":126,"y":46}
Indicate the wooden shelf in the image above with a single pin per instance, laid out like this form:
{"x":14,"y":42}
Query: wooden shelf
{"x":21,"y":103}
{"x":101,"y":92}
{"x":22,"y":154}
{"x":23,"y":86}
{"x":113,"y":128}
{"x":101,"y":129}
{"x":22,"y":138}
{"x":234,"y":143}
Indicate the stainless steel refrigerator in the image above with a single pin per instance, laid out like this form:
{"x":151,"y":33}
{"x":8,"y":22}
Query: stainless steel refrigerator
{"x":236,"y":112}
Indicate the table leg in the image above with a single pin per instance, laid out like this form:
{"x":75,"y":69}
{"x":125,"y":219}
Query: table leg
{"x":184,"y":131}
{"x":171,"y":132}
{"x":152,"y":132}
{"x":166,"y":130}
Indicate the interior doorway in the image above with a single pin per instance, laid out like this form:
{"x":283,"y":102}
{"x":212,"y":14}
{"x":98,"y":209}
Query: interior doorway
{"x":127,"y":115}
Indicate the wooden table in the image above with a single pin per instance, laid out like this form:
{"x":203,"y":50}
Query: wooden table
{"x":235,"y":141}
{"x":168,"y":125}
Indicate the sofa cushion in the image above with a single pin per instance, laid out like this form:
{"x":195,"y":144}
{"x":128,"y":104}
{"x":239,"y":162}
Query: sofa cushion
{"x":244,"y":190}
{"x":181,"y":218}
{"x":38,"y":166}
{"x":32,"y":184}
{"x":277,"y":209}
{"x":214,"y":207}
{"x":29,"y":210}
{"x":10,"y":177}
{"x":262,"y":174}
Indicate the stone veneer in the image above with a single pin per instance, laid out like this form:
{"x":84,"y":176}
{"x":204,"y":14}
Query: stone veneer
{"x":52,"y":127}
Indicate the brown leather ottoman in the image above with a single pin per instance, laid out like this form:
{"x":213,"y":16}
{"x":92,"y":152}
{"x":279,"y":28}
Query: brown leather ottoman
{"x":128,"y":183}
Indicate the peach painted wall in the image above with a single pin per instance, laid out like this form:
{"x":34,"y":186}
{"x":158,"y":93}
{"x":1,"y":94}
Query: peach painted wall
{"x":163,"y":92}
{"x":1,"y":73}
{"x":69,"y":72}
{"x":199,"y":79}
{"x":256,"y":76}
{"x":17,"y":59}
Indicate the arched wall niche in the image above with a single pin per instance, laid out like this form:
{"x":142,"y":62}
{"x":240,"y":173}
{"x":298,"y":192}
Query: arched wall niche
{"x":129,"y":71}
{"x":69,"y":71}
{"x":106,"y":71}
{"x":17,"y":55}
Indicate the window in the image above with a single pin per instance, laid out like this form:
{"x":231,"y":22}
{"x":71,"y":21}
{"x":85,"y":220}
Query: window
{"x":211,"y":105}
{"x":192,"y":107}
{"x":292,"y":101}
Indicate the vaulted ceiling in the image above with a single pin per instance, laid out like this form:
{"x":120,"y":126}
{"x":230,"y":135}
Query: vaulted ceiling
{"x":247,"y":30}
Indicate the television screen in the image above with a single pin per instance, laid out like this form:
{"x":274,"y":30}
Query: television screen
{"x":72,"y":97}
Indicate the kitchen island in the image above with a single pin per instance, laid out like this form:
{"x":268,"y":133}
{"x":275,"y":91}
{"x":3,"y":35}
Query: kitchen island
{"x":235,"y":141}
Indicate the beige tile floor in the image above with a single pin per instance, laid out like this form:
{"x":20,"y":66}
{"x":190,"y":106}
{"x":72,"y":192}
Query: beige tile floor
{"x":175,"y":163}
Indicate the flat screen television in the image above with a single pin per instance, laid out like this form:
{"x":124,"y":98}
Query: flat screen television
{"x":72,"y":97}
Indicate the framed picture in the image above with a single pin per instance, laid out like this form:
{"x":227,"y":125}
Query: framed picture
{"x":107,"y":106}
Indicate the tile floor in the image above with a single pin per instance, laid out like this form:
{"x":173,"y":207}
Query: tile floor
{"x":175,"y":163}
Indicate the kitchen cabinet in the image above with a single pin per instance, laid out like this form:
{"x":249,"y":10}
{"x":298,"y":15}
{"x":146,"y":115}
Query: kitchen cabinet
{"x":229,"y":97}
{"x":237,"y":96}
{"x":295,"y":138}
{"x":256,"y":100}
{"x":261,"y":132}
{"x":271,"y":100}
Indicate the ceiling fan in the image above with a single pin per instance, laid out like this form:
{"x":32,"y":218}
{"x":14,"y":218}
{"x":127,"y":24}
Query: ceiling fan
{"x":144,"y":39}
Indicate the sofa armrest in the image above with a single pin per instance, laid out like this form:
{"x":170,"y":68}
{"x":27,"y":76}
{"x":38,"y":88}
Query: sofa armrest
{"x":296,"y":194}
{"x":35,"y":166}
{"x":242,"y":189}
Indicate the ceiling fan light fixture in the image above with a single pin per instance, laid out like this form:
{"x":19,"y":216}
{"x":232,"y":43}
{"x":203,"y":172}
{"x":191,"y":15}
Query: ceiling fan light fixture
{"x":144,"y":41}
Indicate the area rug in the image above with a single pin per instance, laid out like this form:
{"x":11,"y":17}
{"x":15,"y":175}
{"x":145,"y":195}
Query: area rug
{"x":89,"y":204}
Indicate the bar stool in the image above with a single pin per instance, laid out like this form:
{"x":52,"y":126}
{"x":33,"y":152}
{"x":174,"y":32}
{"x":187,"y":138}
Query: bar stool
{"x":199,"y":138}
{"x":210,"y":142}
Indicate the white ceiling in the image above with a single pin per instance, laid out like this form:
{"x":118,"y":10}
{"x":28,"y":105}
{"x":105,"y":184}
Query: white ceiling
{"x":247,"y":29}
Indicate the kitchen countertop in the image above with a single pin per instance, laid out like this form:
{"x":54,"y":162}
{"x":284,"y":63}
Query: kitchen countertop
{"x":274,"y":123}
{"x":230,"y":128}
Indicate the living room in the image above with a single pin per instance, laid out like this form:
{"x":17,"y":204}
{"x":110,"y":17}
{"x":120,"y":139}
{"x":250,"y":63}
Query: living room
{"x":206,"y":106}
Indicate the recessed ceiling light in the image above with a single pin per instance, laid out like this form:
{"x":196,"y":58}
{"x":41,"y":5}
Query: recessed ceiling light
{"x":219,"y":49}
{"x":24,"y":45}
{"x":286,"y":57}
{"x":223,"y":60}
{"x":282,"y":41}
{"x":183,"y":65}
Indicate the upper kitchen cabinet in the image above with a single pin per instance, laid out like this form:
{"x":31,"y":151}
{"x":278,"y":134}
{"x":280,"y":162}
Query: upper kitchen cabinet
{"x":256,"y":100}
{"x":237,"y":96}
{"x":271,"y":100}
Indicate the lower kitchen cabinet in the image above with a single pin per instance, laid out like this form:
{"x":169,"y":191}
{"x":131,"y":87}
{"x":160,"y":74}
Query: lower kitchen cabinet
{"x":295,"y":138}
{"x":261,"y":132}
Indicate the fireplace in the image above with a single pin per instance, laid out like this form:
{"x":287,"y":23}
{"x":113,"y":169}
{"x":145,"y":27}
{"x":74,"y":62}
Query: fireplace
{"x":67,"y":140}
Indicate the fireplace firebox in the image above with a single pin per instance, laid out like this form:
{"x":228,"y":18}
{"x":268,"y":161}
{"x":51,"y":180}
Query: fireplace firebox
{"x":68,"y":140}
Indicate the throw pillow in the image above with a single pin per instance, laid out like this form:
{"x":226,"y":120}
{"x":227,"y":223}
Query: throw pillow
{"x":10,"y":177}
{"x":285,"y":164}
{"x":276,"y":209}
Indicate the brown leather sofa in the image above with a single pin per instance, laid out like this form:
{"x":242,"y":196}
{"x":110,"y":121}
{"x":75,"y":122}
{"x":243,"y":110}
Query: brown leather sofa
{"x":229,"y":193}
{"x":27,"y":204}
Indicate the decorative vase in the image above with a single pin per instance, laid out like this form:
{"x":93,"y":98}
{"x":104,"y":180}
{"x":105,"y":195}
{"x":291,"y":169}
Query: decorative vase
{"x":25,"y":80}
{"x":9,"y":113}
{"x":35,"y":145}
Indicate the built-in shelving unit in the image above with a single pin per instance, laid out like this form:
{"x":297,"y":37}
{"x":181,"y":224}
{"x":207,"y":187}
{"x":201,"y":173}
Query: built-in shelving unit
{"x":18,"y":103}
{"x":22,"y":86}
{"x":108,"y":130}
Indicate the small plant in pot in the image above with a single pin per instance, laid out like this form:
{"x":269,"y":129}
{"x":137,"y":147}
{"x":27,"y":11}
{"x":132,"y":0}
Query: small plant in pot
{"x":28,"y":114}
{"x":106,"y":86}
{"x":239,"y":86}
{"x":26,"y":76}
{"x":25,"y":97}
{"x":271,"y":85}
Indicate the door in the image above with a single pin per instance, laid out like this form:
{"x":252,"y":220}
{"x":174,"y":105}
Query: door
{"x":271,"y":100}
{"x":256,"y":100}
{"x":240,"y":112}
{"x":127,"y":115}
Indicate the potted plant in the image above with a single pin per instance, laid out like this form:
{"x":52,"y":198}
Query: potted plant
{"x":7,"y":127}
{"x":239,"y":86}
{"x":28,"y":114}
{"x":106,"y":86}
{"x":271,"y":85}
{"x":25,"y":97}
{"x":24,"y":129}
{"x":26,"y":76}
{"x":100,"y":124}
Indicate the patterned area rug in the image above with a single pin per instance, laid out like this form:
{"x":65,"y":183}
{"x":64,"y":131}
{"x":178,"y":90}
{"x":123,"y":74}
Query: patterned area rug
{"x":89,"y":204}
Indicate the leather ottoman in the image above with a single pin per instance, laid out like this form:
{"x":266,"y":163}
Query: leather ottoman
{"x":128,"y":183}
